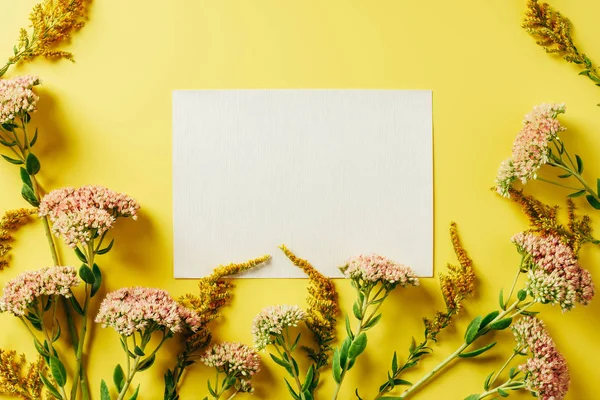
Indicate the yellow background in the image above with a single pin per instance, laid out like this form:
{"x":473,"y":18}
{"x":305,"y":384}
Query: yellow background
{"x":106,"y":120}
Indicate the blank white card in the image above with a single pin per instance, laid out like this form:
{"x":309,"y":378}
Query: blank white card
{"x":330,"y":173}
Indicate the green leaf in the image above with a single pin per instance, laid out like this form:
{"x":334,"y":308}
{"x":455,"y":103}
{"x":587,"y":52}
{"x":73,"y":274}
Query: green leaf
{"x":472,"y":397}
{"x":97,"y":280}
{"x":9,"y":127}
{"x":513,"y":372}
{"x":57,"y":333}
{"x":26,"y":118}
{"x":7,"y":144}
{"x":86,"y":274}
{"x":295,"y":343}
{"x":119,"y":377}
{"x":76,"y":305}
{"x":358,"y":346}
{"x":473,"y":329}
{"x":577,"y":194}
{"x":372,"y":322}
{"x":522,"y":294}
{"x":289,"y":387}
{"x":344,"y":352}
{"x":211,"y":390}
{"x":395,"y":363}
{"x":579,"y":164}
{"x":104,"y":393}
{"x":356,"y":311}
{"x":413,"y":345}
{"x":335,"y":366}
{"x":58,"y":371}
{"x":598,"y":186}
{"x":502,"y":324}
{"x":489,"y":318}
{"x":477,"y":352}
{"x":349,"y":328}
{"x":12,"y":160}
{"x":135,"y":394}
{"x":147,"y":363}
{"x":107,"y":248}
{"x":29,"y":196}
{"x":35,"y":137}
{"x":25,"y":177}
{"x":501,"y":299}
{"x":309,"y":378}
{"x":295,"y":365}
{"x":50,"y":387}
{"x":357,"y":395}
{"x":486,"y":384}
{"x":593,"y":202}
{"x":80,"y":255}
{"x":43,"y":352}
{"x":283,"y":363}
{"x":564,"y":176}
{"x":502,"y":393}
{"x":32,"y":164}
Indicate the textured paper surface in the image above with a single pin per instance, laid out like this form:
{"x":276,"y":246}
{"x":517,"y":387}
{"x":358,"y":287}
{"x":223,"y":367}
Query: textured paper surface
{"x":330,"y":173}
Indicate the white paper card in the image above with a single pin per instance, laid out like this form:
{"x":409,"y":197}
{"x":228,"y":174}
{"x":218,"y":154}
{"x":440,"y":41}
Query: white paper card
{"x":330,"y":173}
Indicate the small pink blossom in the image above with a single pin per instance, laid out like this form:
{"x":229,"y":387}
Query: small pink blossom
{"x":530,"y":149}
{"x":22,"y":292}
{"x":235,"y":360}
{"x":554,"y":273}
{"x":375,"y":268}
{"x":272,"y":321}
{"x":17,"y":97}
{"x":130,"y":310}
{"x":546,"y":371}
{"x":79,"y":214}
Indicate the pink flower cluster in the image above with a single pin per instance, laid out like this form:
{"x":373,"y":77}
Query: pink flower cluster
{"x":530,"y":149}
{"x":77,"y":214}
{"x":555,"y":276}
{"x":21,"y":292}
{"x":130,"y":310}
{"x":376,"y":268}
{"x":17,"y":97}
{"x":546,"y":371}
{"x":235,"y":359}
{"x":272,"y":321}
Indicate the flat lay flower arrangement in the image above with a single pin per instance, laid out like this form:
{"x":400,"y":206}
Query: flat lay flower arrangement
{"x":53,"y":302}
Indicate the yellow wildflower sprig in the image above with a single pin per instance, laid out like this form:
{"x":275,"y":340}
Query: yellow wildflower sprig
{"x":553,"y":33}
{"x":20,"y":379}
{"x":543,"y":219}
{"x":10,"y":222}
{"x":322,"y":310}
{"x":456,"y":285}
{"x":215,"y":292}
{"x":52,"y":23}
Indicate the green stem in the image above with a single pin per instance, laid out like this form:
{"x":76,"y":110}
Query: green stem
{"x":233,"y":395}
{"x":539,"y":178}
{"x":512,"y":288}
{"x":130,"y":374}
{"x":452,"y":356}
{"x":560,"y":164}
{"x":497,"y":375}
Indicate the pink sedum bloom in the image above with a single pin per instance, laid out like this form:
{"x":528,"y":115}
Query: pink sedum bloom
{"x":17,"y":97}
{"x":130,"y":310}
{"x":546,"y":371}
{"x":530,"y":149}
{"x":554,"y":273}
{"x":21,"y":292}
{"x":272,"y":321}
{"x":78,"y":214}
{"x":375,"y":268}
{"x":234,"y":359}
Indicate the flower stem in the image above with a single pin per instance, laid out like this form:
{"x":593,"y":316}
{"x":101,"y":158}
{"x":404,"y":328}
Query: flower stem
{"x":452,"y":356}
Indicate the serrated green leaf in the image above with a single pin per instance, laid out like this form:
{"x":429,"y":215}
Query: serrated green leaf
{"x":473,"y":329}
{"x":358,"y":346}
{"x":12,"y":160}
{"x":32,"y":164}
{"x":502,"y":324}
{"x":86,"y":274}
{"x":119,"y":377}
{"x":49,"y":386}
{"x":58,"y":371}
{"x":29,"y":195}
{"x":477,"y":352}
{"x":97,"y":280}
{"x":107,"y":248}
